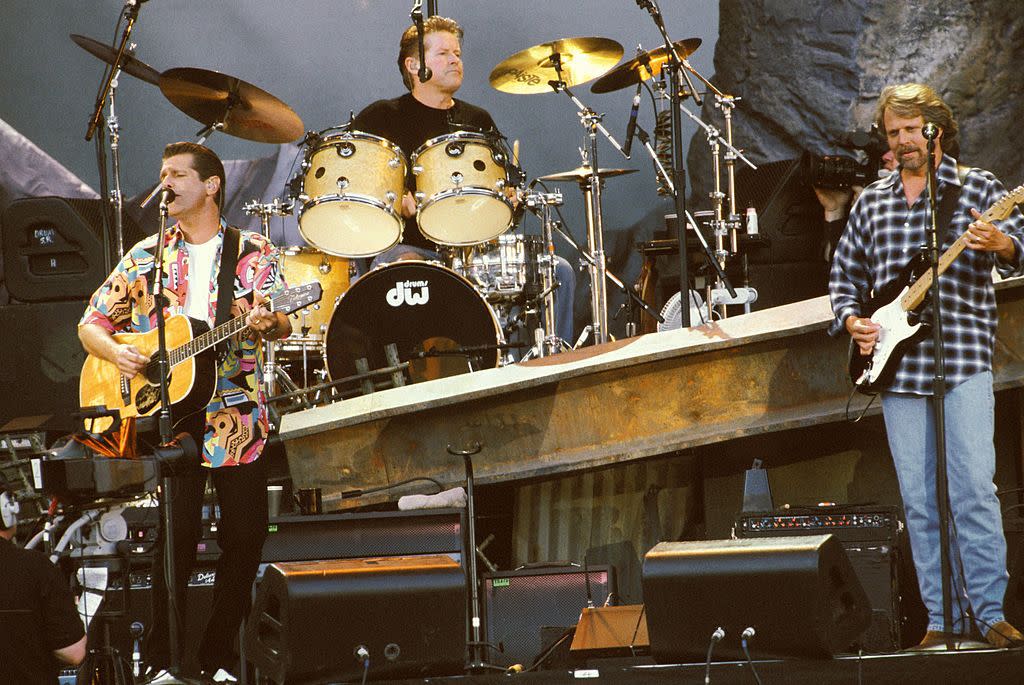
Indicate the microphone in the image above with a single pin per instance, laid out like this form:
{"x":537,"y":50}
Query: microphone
{"x":930,"y":131}
{"x":747,"y":633}
{"x":416,"y":14}
{"x":631,"y":126}
{"x":166,"y":197}
{"x":718,"y":634}
{"x":361,"y":654}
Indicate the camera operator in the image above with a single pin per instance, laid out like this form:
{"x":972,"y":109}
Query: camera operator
{"x":838,"y":179}
{"x":41,"y":627}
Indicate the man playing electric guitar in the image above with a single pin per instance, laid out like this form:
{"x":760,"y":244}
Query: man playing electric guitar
{"x":233,"y":428}
{"x":887,"y":227}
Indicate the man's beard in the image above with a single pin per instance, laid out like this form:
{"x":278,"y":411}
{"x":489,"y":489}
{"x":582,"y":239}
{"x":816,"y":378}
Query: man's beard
{"x":915,"y":162}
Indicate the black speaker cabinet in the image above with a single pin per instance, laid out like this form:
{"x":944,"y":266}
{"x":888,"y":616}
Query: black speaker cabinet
{"x":53,"y":248}
{"x":518,"y":605}
{"x":42,"y":360}
{"x":310,"y":618}
{"x":799,"y":594}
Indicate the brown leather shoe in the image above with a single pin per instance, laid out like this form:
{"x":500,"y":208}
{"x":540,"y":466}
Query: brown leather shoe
{"x":934,"y":639}
{"x":1003,"y":635}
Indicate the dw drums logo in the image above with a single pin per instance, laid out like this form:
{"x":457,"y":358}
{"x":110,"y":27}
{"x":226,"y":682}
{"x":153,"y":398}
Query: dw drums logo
{"x":408,"y":292}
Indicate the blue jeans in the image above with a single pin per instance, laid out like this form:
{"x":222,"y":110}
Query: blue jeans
{"x":977,"y":545}
{"x":564,"y":295}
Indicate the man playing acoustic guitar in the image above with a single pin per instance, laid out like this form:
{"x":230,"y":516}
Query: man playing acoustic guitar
{"x":232,"y":425}
{"x":887,"y":226}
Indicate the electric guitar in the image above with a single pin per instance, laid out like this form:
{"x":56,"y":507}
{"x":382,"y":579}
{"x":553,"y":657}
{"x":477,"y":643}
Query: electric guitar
{"x":193,"y":375}
{"x":895,"y":307}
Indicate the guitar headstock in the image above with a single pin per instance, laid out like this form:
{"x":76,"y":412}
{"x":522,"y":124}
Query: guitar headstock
{"x":298,"y":297}
{"x":1004,"y":205}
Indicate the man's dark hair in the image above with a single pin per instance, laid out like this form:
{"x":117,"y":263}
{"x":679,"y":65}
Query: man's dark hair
{"x":408,"y":46}
{"x":204,"y":160}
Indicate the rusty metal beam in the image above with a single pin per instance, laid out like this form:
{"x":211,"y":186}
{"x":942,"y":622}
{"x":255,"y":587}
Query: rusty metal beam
{"x":767,"y":371}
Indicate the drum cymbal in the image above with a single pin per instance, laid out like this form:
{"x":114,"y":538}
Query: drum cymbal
{"x":528,"y":71}
{"x":633,"y":72}
{"x":246,"y":111}
{"x":130,"y":65}
{"x":582,"y":173}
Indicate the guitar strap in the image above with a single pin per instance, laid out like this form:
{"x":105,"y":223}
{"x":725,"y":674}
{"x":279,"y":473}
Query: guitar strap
{"x":226,"y":280}
{"x":950,"y":198}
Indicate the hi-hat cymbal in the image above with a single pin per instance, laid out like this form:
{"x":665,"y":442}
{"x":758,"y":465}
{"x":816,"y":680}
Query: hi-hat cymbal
{"x":634,"y":71}
{"x":582,"y":173}
{"x":580,"y":59}
{"x":245,"y":111}
{"x":129,"y":65}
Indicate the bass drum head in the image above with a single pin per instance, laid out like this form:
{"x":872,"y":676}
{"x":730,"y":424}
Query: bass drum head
{"x":418,"y":307}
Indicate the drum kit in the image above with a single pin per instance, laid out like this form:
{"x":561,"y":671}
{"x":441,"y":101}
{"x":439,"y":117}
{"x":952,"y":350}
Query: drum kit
{"x":490,"y":282}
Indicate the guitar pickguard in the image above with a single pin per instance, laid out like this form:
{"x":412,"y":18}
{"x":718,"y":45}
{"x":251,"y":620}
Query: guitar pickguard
{"x":147,"y":398}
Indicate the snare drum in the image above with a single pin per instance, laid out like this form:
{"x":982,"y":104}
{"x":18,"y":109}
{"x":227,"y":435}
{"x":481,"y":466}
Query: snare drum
{"x":352,"y":189}
{"x":418,"y":307}
{"x":460,"y":188}
{"x":503,"y":268}
{"x":309,"y":325}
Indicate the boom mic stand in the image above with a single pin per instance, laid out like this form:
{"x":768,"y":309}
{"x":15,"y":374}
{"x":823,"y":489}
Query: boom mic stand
{"x":939,"y":403}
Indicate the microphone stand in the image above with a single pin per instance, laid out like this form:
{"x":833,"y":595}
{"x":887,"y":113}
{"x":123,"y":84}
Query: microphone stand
{"x":166,"y":440}
{"x":678,"y":168}
{"x":417,"y":17}
{"x":939,"y":402}
{"x":477,"y":662}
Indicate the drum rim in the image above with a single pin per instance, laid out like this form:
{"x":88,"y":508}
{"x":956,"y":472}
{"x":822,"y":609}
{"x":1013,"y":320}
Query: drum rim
{"x":289,"y":250}
{"x":322,"y":141}
{"x":456,"y":135}
{"x":500,"y":334}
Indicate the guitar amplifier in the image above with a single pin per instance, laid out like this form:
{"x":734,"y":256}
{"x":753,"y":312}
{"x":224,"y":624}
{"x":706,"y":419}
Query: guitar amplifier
{"x":875,"y":542}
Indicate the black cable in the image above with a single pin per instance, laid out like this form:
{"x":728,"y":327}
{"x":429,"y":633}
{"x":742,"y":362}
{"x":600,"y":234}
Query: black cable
{"x":389,"y":486}
{"x":746,"y":652}
{"x":715,"y":638}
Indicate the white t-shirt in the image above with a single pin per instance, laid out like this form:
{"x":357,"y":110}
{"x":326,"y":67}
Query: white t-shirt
{"x":200,"y":272}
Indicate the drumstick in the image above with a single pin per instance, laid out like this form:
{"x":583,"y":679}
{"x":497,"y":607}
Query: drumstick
{"x":515,"y":151}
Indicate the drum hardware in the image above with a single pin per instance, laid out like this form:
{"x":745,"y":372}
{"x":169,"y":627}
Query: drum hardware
{"x":546,"y":340}
{"x":582,"y":176}
{"x":331,"y":391}
{"x":721,"y":226}
{"x":350,"y":193}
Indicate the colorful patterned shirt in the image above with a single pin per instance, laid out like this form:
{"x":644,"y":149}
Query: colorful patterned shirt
{"x":236,"y":418}
{"x":882,"y":236}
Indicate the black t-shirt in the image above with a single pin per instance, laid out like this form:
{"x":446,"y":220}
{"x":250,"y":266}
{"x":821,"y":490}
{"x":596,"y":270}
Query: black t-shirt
{"x":408,"y":123}
{"x":37,"y":616}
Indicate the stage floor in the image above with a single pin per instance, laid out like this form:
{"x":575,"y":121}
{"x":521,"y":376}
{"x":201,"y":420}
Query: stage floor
{"x":934,"y":668}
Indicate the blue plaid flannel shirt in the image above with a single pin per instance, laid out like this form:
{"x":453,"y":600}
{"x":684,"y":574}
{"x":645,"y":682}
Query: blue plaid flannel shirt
{"x":881,"y":237}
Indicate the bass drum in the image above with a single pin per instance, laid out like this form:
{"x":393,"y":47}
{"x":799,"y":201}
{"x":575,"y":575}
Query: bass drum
{"x":418,"y":307}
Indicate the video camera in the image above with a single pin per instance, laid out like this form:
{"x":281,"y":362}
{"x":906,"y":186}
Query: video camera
{"x":843,"y":171}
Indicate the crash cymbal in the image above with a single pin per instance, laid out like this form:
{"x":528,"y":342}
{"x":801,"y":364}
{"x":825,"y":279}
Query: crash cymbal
{"x":129,"y":65}
{"x":528,"y":71}
{"x":245,"y":111}
{"x":582,"y":173}
{"x":633,"y":72}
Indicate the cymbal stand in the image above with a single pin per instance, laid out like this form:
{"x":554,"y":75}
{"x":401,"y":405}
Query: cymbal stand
{"x":271,"y":371}
{"x":591,"y":122}
{"x":549,"y":343}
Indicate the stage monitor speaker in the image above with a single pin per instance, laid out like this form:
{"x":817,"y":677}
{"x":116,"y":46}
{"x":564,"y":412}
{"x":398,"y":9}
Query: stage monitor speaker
{"x":310,"y":619}
{"x":799,"y":594}
{"x":518,"y":605}
{"x":374,"y":534}
{"x":53,"y":248}
{"x":42,"y":360}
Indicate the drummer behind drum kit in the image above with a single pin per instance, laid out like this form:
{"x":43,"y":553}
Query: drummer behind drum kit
{"x":417,"y":320}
